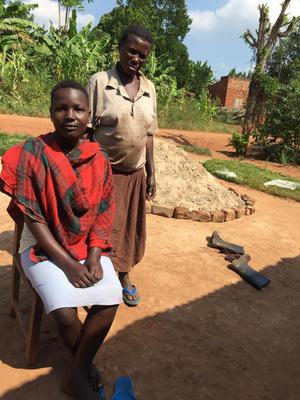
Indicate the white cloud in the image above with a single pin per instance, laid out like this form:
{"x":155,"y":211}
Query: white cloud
{"x":236,"y":16}
{"x":48,"y":12}
{"x":203,"y":20}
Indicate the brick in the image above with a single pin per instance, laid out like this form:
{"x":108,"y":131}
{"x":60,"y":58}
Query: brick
{"x":201,"y":215}
{"x":250,"y":210}
{"x":250,"y":201}
{"x":229,"y":214}
{"x":182,"y":213}
{"x":218,"y":216}
{"x":239,"y":212}
{"x":163,"y":211}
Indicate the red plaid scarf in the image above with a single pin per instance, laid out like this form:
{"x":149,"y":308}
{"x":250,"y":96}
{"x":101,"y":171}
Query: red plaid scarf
{"x":73,"y":195}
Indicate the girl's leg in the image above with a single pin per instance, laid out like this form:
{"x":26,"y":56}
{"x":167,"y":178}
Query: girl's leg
{"x":93,"y":333}
{"x":68,"y":328}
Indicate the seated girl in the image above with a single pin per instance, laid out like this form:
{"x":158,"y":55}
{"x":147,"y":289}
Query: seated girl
{"x":61,"y":186}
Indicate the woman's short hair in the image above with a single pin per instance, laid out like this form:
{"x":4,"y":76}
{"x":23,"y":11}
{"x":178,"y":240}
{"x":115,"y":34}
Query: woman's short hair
{"x":69,"y":84}
{"x":137,"y":30}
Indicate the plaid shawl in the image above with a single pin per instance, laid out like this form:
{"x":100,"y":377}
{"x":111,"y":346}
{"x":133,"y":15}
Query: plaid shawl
{"x":73,"y":195}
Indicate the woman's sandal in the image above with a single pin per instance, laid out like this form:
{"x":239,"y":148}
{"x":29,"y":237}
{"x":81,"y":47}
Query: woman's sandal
{"x":130,"y":292}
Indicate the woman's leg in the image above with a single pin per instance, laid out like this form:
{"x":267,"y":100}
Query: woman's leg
{"x":129,"y":229}
{"x":93,"y":333}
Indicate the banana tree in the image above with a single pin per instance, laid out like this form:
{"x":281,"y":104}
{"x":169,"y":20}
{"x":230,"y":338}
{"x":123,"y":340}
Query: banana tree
{"x":69,"y":6}
{"x":16,"y":25}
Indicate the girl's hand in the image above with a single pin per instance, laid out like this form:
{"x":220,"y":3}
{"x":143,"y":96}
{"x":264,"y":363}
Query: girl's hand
{"x":95,"y":268}
{"x":93,"y":263}
{"x":79,"y":275}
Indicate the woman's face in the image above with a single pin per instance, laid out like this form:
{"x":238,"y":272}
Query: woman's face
{"x":69,"y":113}
{"x":133,"y":54}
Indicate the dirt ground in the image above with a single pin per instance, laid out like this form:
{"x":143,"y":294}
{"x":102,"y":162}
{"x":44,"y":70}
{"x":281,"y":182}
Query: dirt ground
{"x":200,"y":332}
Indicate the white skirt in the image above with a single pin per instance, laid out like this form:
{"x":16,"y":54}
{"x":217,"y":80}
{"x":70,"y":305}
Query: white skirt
{"x":56,"y":291}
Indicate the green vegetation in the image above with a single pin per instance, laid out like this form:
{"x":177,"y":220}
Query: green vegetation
{"x":272,"y":111}
{"x":8,"y":140}
{"x":192,"y":114}
{"x":240,"y":143}
{"x":33,"y":59}
{"x":279,"y":135}
{"x":196,"y":149}
{"x":252,"y":176}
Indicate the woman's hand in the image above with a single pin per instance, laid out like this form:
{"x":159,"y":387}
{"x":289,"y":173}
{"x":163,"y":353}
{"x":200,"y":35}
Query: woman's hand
{"x":79,"y":275}
{"x":151,"y":187}
{"x":93,"y":263}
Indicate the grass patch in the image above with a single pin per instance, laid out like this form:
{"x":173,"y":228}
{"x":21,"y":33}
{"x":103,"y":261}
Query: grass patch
{"x":252,"y":176}
{"x":32,"y":97}
{"x":8,"y":140}
{"x":196,"y":149}
{"x":188,"y":118}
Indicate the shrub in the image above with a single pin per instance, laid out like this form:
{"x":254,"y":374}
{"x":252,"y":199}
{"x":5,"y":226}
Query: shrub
{"x":279,"y":137}
{"x":240,"y":143}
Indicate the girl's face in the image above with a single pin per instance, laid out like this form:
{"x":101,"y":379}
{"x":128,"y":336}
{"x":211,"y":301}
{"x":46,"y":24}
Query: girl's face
{"x":69,"y":113}
{"x":133,"y":54}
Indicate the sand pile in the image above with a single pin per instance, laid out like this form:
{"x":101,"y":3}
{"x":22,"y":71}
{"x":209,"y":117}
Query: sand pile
{"x":184,"y":182}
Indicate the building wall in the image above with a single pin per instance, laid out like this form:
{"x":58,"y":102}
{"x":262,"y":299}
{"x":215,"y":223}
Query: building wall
{"x":231,"y":92}
{"x":218,"y":90}
{"x":237,"y":93}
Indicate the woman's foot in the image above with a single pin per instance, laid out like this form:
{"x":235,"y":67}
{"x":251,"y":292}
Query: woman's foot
{"x":76,"y":384}
{"x":131,"y":296}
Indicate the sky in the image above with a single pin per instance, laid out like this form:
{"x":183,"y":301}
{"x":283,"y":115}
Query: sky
{"x":216,"y":30}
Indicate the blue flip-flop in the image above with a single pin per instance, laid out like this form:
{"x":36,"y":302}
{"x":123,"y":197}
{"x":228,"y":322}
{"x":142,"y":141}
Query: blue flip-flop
{"x":101,"y":393}
{"x":123,"y":389}
{"x":130,"y":292}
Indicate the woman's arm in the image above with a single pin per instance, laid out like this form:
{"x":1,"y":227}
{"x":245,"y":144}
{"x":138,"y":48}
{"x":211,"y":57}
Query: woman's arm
{"x":77,"y":273}
{"x":99,"y":234}
{"x":151,"y":184}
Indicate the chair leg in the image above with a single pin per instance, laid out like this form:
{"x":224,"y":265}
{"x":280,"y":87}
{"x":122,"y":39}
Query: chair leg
{"x":34,"y":327}
{"x":15,"y":289}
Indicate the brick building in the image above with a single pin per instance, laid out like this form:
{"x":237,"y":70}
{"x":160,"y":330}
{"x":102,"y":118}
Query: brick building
{"x":231,"y":92}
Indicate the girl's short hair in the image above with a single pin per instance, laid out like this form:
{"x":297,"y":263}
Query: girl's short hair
{"x":69,"y":84}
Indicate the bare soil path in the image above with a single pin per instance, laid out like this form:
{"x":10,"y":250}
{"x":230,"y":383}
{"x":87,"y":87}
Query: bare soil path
{"x":200,"y":333}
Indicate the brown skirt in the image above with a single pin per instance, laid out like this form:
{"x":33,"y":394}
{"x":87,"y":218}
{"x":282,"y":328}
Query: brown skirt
{"x":129,"y":227}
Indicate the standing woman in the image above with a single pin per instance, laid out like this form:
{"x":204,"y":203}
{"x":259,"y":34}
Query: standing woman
{"x":124,"y":119}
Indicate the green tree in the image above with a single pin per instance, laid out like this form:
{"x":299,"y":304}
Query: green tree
{"x":167,"y":20}
{"x":279,"y":136}
{"x":16,"y":26}
{"x":70,"y":6}
{"x":200,"y":77}
{"x":285,"y":61}
{"x":263,"y":44}
{"x":234,"y":74}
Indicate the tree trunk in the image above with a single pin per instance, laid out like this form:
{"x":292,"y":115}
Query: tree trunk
{"x":263,"y":46}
